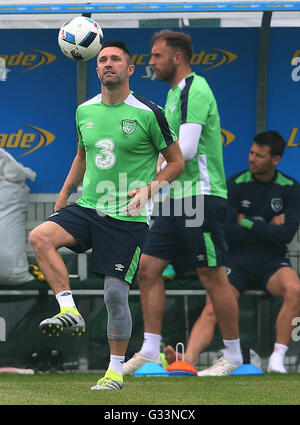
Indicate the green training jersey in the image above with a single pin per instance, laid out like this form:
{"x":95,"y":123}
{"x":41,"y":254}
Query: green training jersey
{"x":122,"y":143}
{"x":192,"y":101}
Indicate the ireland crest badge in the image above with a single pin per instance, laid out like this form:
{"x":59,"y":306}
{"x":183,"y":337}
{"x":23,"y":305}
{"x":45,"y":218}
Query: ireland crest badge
{"x":128,"y":126}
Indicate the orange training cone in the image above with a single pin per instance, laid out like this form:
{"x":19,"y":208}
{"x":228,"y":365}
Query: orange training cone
{"x":181,"y":367}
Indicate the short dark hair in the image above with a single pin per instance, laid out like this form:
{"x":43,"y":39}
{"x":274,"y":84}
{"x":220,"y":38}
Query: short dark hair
{"x":272,"y":139}
{"x":177,"y":41}
{"x":117,"y":43}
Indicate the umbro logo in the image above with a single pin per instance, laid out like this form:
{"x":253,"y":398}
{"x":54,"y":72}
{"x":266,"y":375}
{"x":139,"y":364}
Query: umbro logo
{"x":245,"y":203}
{"x":90,"y":125}
{"x":119,"y":267}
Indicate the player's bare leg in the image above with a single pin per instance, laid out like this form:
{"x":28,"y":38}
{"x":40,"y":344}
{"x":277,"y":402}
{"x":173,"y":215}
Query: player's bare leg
{"x":225,"y":306}
{"x":45,"y":240}
{"x":284,"y":284}
{"x":152,"y":289}
{"x":223,"y":299}
{"x":153,"y":301}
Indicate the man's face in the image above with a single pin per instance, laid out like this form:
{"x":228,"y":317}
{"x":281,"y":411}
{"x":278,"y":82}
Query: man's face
{"x":112,"y":66}
{"x":261,"y":161}
{"x":162,"y":61}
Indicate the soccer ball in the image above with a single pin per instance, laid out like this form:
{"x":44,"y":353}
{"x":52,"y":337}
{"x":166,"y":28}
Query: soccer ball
{"x":80,"y":38}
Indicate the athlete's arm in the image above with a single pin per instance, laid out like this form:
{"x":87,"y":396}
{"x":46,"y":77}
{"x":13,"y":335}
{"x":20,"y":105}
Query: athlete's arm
{"x":73,"y":179}
{"x":278,"y":234}
{"x":272,"y":232}
{"x":189,"y":135}
{"x":275,"y":231}
{"x":234,"y":233}
{"x":174,"y":167}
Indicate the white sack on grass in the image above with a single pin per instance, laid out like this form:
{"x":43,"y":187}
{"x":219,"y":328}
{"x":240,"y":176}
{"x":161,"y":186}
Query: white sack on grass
{"x":13,"y":205}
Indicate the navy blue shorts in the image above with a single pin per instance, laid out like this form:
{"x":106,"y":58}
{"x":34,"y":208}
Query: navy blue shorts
{"x":171,"y":238}
{"x":253,"y":273}
{"x":116,"y":244}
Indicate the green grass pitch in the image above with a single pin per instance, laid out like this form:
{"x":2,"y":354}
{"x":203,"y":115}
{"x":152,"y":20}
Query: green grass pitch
{"x":74,"y":389}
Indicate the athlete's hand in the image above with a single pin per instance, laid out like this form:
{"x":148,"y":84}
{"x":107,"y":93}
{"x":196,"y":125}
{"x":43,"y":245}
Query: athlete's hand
{"x":240,"y":218}
{"x":61,"y":202}
{"x":278,"y":219}
{"x":140,"y":199}
{"x":160,"y":161}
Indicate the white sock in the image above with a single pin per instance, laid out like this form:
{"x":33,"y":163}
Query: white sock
{"x":280,"y":349}
{"x":151,"y":346}
{"x":233,"y":351}
{"x":65,"y":299}
{"x":276,"y":362}
{"x":116,"y":363}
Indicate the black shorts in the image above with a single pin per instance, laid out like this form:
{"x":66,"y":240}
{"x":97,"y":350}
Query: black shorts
{"x":171,"y":238}
{"x":116,"y":244}
{"x":253,"y":273}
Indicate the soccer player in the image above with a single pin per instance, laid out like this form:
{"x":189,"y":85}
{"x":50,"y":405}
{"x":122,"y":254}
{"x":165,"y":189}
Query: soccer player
{"x":264,"y":215}
{"x":192,"y":111}
{"x":120,"y":135}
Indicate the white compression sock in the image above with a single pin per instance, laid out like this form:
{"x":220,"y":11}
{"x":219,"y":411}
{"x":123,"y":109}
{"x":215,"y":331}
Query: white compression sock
{"x":65,"y":299}
{"x":116,"y":363}
{"x":151,"y":346}
{"x":233,"y":351}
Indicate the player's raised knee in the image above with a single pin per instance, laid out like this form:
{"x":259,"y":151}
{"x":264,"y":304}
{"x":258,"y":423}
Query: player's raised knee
{"x":294,"y":291}
{"x":34,"y":237}
{"x":37,"y":237}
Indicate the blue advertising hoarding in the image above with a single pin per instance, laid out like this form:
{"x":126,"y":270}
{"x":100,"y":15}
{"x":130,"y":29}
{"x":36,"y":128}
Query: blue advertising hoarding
{"x":38,"y":96}
{"x":37,"y":104}
{"x":283,"y":95}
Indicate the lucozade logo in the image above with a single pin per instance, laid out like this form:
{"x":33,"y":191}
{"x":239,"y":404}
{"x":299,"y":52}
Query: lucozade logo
{"x":28,"y":61}
{"x":294,"y":138}
{"x":205,"y":60}
{"x":227,"y":137}
{"x":212,"y":58}
{"x":29,"y":141}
